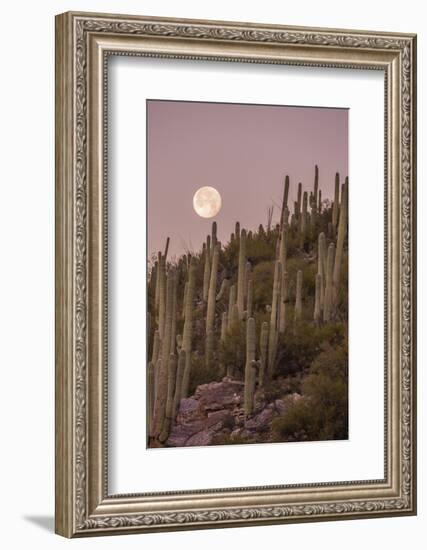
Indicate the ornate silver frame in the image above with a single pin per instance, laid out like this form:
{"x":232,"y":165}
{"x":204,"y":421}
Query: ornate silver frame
{"x":83,"y":506}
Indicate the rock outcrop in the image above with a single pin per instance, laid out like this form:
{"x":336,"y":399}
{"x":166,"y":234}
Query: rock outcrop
{"x":215,"y":415}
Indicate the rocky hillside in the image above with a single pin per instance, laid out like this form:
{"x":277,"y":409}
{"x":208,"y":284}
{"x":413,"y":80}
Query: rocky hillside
{"x":215,"y":415}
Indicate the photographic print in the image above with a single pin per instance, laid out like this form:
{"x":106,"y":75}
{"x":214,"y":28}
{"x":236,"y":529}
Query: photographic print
{"x":247,"y":279}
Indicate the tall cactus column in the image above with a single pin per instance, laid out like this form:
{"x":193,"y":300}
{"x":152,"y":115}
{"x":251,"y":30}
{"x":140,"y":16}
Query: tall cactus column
{"x":263,"y":348}
{"x":174,"y":314}
{"x":249,"y":299}
{"x":250,"y":372}
{"x":342,"y":232}
{"x":214,"y":236}
{"x":210,"y":315}
{"x":284,"y":296}
{"x":327,"y":306}
{"x":283,"y":220}
{"x":298,"y":298}
{"x":162,"y":295}
{"x":303,"y":224}
{"x":206,"y":273}
{"x":317,"y":308}
{"x":283,"y":249}
{"x":321,"y":265}
{"x":273,"y":336}
{"x":209,"y":349}
{"x":163,"y":375}
{"x":188,"y":327}
{"x":241,"y":276}
{"x":314,"y":200}
{"x":157,"y":291}
{"x":178,"y":384}
{"x":150,"y":395}
{"x":167,"y":422}
{"x":231,"y":303}
{"x":336,"y":205}
{"x":299,"y":201}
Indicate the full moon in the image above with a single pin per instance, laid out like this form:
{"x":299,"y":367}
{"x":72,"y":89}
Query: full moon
{"x":207,"y":202}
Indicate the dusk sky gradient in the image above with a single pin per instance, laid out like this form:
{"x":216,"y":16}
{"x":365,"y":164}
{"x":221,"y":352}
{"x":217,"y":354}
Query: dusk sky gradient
{"x":244,"y":151}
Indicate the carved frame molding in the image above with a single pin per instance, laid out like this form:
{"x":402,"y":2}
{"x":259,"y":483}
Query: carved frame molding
{"x":83,"y":42}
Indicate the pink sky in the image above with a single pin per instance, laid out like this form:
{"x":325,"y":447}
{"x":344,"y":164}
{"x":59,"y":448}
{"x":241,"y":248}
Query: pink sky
{"x":244,"y":151}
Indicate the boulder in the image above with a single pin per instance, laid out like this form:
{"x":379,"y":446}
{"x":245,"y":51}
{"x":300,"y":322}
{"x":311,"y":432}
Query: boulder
{"x":219,"y":395}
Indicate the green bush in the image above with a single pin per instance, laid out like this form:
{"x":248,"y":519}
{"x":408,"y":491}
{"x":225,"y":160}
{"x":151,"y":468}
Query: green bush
{"x":200,"y":374}
{"x":300,"y":345}
{"x":322,"y":411}
{"x":262,"y":275}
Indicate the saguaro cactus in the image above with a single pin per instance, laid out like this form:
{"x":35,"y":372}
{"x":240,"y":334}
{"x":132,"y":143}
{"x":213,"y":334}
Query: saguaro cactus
{"x":303,"y":224}
{"x":188,"y":327}
{"x":299,"y":203}
{"x":178,"y":384}
{"x":151,"y":425}
{"x":263,"y":347}
{"x":206,"y":274}
{"x":249,"y":367}
{"x":284,"y":203}
{"x":317,"y":307}
{"x":150,"y":395}
{"x":327,"y":306}
{"x":208,"y":246}
{"x":162,"y":377}
{"x":231,"y":302}
{"x":272,"y":341}
{"x":214,"y":235}
{"x":162,"y":295}
{"x":283,"y":249}
{"x":316,"y":185}
{"x":184,"y":299}
{"x":209,"y":348}
{"x":342,"y":232}
{"x":237,"y":230}
{"x":284,"y":296}
{"x":248,"y":274}
{"x":210,"y":315}
{"x":241,"y":274}
{"x":249,"y":299}
{"x":321,"y":264}
{"x":169,"y":400}
{"x":336,"y":204}
{"x":152,"y":284}
{"x":174,"y":310}
{"x":298,"y":297}
{"x":157,"y":292}
{"x":156,"y":347}
{"x":167,"y":247}
{"x":223,"y":289}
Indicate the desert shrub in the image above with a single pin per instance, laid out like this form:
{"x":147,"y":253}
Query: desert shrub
{"x":261,"y":247}
{"x":298,"y":348}
{"x":201,"y":374}
{"x":262,"y":275}
{"x":322,"y":412}
{"x":229,"y":256}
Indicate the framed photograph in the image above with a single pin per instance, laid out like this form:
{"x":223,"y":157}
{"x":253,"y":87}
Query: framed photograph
{"x":235,"y":274}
